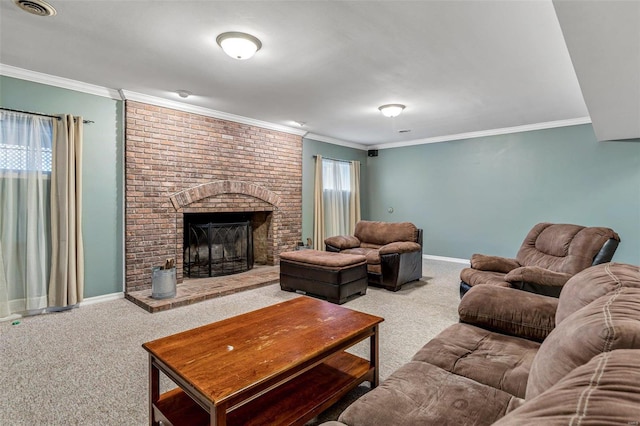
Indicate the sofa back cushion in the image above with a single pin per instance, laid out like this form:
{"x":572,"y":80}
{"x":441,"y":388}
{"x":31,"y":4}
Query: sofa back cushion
{"x":610,"y":322}
{"x":563,"y":247}
{"x":603,"y":391}
{"x":372,"y":234}
{"x":592,"y":283}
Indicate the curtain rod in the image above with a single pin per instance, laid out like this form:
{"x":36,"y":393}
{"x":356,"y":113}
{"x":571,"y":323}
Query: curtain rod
{"x":41,"y":114}
{"x":334,"y":159}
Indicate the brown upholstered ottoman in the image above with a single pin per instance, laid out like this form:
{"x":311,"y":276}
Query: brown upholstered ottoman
{"x":334,"y":276}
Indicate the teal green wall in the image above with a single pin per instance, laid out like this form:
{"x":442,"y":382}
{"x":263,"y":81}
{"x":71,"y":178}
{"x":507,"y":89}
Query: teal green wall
{"x":102,"y":173}
{"x":476,"y":195}
{"x":310,"y":148}
{"x":483,"y":195}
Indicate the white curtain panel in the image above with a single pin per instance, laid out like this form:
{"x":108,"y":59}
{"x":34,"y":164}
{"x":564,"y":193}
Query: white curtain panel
{"x":336,"y":177}
{"x":25,"y":170}
{"x":4,"y":290}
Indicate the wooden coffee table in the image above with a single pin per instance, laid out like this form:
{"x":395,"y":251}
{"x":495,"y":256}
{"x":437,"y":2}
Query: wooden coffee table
{"x":279,"y":365}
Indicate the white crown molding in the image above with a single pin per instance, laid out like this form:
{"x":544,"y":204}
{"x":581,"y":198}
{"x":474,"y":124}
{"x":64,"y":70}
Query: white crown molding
{"x":180,"y":106}
{"x":52,"y":80}
{"x":484,"y":133}
{"x":333,"y":141}
{"x":65,"y":83}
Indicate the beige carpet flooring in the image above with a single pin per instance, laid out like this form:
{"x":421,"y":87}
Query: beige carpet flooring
{"x":87,"y":367}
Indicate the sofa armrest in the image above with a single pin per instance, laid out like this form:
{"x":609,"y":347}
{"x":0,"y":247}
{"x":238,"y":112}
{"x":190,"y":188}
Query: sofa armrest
{"x":537,"y":275}
{"x":482,"y":262}
{"x":342,"y":242}
{"x":399,"y":247}
{"x":538,"y":280}
{"x":509,"y":310}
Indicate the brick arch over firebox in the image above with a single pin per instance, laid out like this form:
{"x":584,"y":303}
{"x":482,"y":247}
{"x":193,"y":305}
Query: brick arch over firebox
{"x":184,"y":198}
{"x":232,"y":196}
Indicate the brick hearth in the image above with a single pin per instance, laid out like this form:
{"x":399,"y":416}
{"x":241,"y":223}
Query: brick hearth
{"x":178,"y":162}
{"x":198,"y":290}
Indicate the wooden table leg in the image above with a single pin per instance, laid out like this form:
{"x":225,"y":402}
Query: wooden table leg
{"x":218,"y":416}
{"x":374,"y":357}
{"x":154,"y":389}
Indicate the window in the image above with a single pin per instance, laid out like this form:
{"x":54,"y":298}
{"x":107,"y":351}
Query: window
{"x":336,"y":189}
{"x":18,"y":156}
{"x":335,"y":175}
{"x":336,"y":198}
{"x":25,"y":220}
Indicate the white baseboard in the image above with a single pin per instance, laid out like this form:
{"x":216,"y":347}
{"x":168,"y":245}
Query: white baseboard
{"x":85,"y":302}
{"x":446,"y":259}
{"x":103,"y":298}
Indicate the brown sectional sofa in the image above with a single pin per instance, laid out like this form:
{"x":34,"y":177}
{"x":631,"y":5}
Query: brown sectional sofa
{"x":518,"y":358}
{"x":393,"y":251}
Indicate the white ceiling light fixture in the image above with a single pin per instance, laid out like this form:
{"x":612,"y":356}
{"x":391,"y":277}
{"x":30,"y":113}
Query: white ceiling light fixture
{"x":391,"y":110}
{"x":183,"y":93}
{"x":239,"y":45}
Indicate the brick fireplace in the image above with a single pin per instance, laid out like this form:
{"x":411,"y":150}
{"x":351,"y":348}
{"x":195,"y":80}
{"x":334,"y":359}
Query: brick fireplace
{"x":178,"y":162}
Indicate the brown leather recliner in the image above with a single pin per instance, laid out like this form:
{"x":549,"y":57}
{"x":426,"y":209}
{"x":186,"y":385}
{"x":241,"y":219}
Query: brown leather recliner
{"x":393,"y":251}
{"x":548,"y":257}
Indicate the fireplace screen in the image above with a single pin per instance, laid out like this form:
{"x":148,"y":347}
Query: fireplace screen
{"x":215,"y":249}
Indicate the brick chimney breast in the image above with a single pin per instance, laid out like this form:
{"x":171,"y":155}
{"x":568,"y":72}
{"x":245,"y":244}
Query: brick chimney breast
{"x":178,"y":162}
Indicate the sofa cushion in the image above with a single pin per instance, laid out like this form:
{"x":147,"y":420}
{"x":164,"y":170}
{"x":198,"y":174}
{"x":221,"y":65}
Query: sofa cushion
{"x":372,"y":255}
{"x":419,"y":393}
{"x":610,"y":322}
{"x":510,"y":311}
{"x":493,"y":359}
{"x":322,"y":258}
{"x":594,"y":282}
{"x":603,"y":391}
{"x":381,"y":233}
{"x":367,"y":245}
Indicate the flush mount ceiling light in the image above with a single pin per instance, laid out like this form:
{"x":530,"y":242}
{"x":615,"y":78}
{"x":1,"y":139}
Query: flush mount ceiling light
{"x":391,"y":110}
{"x":239,"y":45}
{"x":36,"y":7}
{"x":184,"y":93}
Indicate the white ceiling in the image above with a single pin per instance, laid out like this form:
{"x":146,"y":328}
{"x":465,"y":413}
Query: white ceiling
{"x":458,"y":66}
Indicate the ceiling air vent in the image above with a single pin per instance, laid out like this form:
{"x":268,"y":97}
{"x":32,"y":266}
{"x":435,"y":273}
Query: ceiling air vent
{"x":36,"y":7}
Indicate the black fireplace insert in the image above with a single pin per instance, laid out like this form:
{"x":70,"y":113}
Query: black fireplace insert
{"x":216,"y":248}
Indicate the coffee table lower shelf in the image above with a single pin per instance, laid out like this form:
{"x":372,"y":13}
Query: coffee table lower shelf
{"x":292,"y":403}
